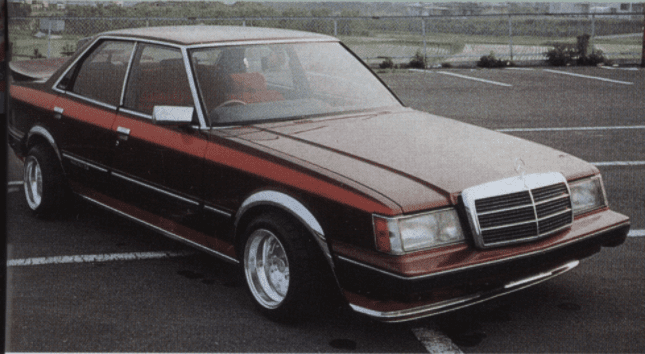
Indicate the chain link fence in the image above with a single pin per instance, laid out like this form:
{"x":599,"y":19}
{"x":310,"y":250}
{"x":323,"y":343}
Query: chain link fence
{"x":431,"y":40}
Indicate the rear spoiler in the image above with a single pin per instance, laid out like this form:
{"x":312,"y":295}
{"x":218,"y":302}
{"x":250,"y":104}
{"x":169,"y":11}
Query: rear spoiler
{"x":42,"y":69}
{"x":37,"y":69}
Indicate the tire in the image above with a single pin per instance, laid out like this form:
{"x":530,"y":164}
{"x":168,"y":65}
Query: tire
{"x":43,"y":181}
{"x":282,"y":268}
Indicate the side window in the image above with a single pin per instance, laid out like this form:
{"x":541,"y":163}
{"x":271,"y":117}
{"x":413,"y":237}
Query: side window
{"x":158,"y":77}
{"x":101,"y":74}
{"x":241,"y":75}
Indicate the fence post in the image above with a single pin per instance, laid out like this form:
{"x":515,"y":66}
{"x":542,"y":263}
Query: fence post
{"x":49,"y":39}
{"x":643,"y":56}
{"x":510,"y":35}
{"x":335,"y":28}
{"x":425,"y":53}
{"x":593,"y":32}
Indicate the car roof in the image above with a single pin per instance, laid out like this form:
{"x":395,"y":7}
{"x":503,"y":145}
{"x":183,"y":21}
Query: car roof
{"x":201,"y":34}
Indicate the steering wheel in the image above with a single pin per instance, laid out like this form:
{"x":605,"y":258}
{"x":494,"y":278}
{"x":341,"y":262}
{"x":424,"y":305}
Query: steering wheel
{"x":231,"y":103}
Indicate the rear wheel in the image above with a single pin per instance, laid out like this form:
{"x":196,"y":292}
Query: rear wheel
{"x":43,"y":180}
{"x":282,"y":268}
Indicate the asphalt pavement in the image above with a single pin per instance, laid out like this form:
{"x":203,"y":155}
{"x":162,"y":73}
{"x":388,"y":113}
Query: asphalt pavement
{"x":142,"y":292}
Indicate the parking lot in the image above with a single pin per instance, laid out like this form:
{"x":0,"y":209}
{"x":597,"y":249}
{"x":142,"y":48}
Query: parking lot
{"x":95,"y":282}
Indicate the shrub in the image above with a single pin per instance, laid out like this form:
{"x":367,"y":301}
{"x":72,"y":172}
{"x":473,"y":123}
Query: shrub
{"x":387,"y":64}
{"x":418,"y":62}
{"x":569,"y":54}
{"x":490,"y":61}
{"x":561,"y":54}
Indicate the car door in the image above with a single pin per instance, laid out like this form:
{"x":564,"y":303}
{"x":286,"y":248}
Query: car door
{"x":158,"y":168}
{"x":91,"y":92}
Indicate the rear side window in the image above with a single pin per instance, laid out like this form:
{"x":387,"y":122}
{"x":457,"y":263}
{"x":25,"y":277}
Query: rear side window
{"x":100,"y":76}
{"x":158,"y":78}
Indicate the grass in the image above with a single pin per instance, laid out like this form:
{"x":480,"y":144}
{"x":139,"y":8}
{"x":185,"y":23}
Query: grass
{"x":24,"y":46}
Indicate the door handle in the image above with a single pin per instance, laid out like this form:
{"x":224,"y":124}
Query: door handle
{"x":58,"y":112}
{"x":123,"y":134}
{"x":122,"y":130}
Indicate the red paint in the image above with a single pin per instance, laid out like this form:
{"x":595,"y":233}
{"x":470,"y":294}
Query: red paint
{"x":187,"y":143}
{"x":33,"y":97}
{"x":86,"y":113}
{"x":288,"y":176}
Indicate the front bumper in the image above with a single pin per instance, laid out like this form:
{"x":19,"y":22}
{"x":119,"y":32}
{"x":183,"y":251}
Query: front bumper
{"x":392,"y":297}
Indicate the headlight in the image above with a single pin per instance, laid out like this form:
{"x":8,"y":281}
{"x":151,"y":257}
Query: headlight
{"x":412,"y":233}
{"x":587,"y":195}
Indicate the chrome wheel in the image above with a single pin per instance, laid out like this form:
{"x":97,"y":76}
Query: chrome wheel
{"x":33,"y":180}
{"x":266,"y":268}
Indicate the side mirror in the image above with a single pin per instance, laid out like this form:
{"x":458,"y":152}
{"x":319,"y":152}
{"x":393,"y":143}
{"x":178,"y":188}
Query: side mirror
{"x":172,"y":115}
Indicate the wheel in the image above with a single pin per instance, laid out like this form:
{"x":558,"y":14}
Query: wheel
{"x":282,"y":268}
{"x":43,"y":181}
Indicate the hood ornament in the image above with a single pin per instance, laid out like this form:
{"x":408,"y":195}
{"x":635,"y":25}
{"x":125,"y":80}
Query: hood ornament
{"x":520,"y":168}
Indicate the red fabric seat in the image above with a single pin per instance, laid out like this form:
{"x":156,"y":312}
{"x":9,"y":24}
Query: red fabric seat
{"x":252,"y":88}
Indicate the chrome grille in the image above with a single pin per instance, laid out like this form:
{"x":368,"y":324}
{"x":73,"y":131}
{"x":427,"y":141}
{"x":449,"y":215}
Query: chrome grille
{"x":518,"y":209}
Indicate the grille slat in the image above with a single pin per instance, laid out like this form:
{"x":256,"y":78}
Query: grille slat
{"x":520,"y":216}
{"x":552,"y":207}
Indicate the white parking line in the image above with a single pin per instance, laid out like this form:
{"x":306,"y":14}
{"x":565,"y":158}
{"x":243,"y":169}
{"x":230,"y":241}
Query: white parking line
{"x":617,"y":127}
{"x":435,"y":341}
{"x":475,"y":79}
{"x":636,"y":233}
{"x":15,"y":183}
{"x":96,"y":258}
{"x":619,"y":163}
{"x":612,"y":68}
{"x":589,"y":77}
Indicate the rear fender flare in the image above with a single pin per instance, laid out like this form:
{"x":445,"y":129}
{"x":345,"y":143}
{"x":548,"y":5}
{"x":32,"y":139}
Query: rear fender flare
{"x":42,"y":132}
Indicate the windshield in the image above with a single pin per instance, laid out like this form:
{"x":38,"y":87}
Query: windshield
{"x":242,"y":84}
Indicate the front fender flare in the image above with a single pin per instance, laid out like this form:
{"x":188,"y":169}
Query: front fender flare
{"x":294,"y":208}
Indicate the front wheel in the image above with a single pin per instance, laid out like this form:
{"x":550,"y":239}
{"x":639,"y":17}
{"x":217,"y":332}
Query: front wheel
{"x":282,"y":268}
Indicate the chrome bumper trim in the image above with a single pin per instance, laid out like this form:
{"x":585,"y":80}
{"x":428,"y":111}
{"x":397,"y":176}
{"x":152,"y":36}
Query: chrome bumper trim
{"x":461,"y":302}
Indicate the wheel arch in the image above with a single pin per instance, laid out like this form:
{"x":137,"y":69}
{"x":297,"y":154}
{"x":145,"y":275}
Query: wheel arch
{"x":40,"y":135}
{"x":267,"y":200}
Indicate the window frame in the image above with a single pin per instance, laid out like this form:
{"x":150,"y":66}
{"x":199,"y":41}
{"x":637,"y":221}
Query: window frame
{"x":74,"y":69}
{"x":136,"y":41}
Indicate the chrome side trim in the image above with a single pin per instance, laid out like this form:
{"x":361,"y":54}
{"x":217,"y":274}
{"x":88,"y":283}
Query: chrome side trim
{"x":91,"y":100}
{"x":190,"y":201}
{"x":461,"y":302}
{"x":135,"y":113}
{"x":537,"y":252}
{"x":164,"y":232}
{"x":217,"y":211}
{"x":83,"y":162}
{"x":41,"y":131}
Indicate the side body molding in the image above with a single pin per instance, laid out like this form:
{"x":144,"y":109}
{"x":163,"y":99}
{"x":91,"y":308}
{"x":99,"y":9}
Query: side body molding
{"x":41,"y":131}
{"x":293,"y":207}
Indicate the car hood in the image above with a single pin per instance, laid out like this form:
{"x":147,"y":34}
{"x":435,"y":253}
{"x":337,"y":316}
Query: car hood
{"x":411,"y":156}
